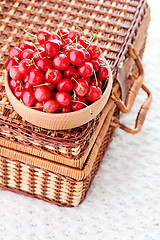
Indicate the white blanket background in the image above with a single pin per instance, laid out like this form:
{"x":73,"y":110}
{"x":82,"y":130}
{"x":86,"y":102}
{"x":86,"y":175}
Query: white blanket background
{"x":123,"y":202}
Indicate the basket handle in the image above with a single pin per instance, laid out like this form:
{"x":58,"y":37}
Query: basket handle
{"x":132,"y":93}
{"x":140,"y":117}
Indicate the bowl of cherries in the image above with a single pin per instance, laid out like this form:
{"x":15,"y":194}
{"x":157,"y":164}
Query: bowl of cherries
{"x":58,"y":81}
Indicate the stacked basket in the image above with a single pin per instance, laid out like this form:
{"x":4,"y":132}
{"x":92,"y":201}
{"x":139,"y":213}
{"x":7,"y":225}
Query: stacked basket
{"x":59,"y":165}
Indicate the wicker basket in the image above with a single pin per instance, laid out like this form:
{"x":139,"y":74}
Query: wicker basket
{"x":59,"y":166}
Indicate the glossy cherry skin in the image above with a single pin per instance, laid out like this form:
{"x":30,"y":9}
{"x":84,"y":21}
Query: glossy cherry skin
{"x":25,"y":45}
{"x":65,"y":85}
{"x":81,"y":88}
{"x":15,"y":52}
{"x":97,"y":83}
{"x":87,"y":56}
{"x":67,"y":41}
{"x":50,"y":85}
{"x":27,"y":86}
{"x":73,"y":34}
{"x":63,"y":33}
{"x":50,"y":105}
{"x":42,"y":93}
{"x":14,"y":73}
{"x":103,"y":73}
{"x":71,"y":72}
{"x":43,"y":36}
{"x":93,"y":94}
{"x":63,"y":98}
{"x":53,"y":76}
{"x":13,"y":84}
{"x":61,"y":62}
{"x":86,"y":70}
{"x":27,"y":53}
{"x":18,"y":91}
{"x":75,"y":106}
{"x":65,"y":109}
{"x":94,"y":51}
{"x":95,"y":64}
{"x":11,"y":62}
{"x":76,"y":57}
{"x":52,"y":48}
{"x":26,"y":78}
{"x":40,"y":53}
{"x":24,"y":66}
{"x":44,"y":64}
{"x":36,"y":77}
{"x":28,"y":98}
{"x":38,"y":106}
{"x":83,"y":42}
{"x":56,"y":36}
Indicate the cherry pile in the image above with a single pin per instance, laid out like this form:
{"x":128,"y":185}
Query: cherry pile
{"x":63,"y":72}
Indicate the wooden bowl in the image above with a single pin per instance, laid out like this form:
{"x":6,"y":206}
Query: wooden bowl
{"x":59,"y":121}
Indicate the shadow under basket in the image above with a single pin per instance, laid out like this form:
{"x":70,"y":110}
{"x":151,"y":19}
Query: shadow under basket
{"x":59,"y":166}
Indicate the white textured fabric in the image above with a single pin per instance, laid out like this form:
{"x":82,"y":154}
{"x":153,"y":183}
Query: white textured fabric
{"x":124,"y":199}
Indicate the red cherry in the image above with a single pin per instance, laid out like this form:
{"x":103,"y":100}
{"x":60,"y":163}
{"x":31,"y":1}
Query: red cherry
{"x":53,"y":94}
{"x":71,"y":72}
{"x":94,"y":51}
{"x":28,"y":98}
{"x":65,"y":85}
{"x":63,"y":98}
{"x":53,"y":76}
{"x":50,"y":85}
{"x":27,"y":86}
{"x":96,"y":65}
{"x":56,"y":36}
{"x":27,"y":53}
{"x":14,"y":73}
{"x":65,"y":109}
{"x":87,"y":80}
{"x":50,"y":105}
{"x":81,"y":88}
{"x":61,"y":62}
{"x":52,"y":48}
{"x":63,"y":33}
{"x":18,"y":91}
{"x":38,"y":106}
{"x":25,"y":45}
{"x":75,"y":106}
{"x":43,"y":36}
{"x":83,"y":42}
{"x":44,"y":64}
{"x":76,"y":57}
{"x":42,"y":93}
{"x":93,"y":94}
{"x":103,"y":73}
{"x":15,"y":52}
{"x":67,"y":41}
{"x":73,"y":34}
{"x":87,"y":56}
{"x":26,"y":78}
{"x":39,"y":53}
{"x":24,"y":66}
{"x":13,"y":84}
{"x":36,"y":77}
{"x":11,"y":62}
{"x":86,"y":70}
{"x":93,"y":82}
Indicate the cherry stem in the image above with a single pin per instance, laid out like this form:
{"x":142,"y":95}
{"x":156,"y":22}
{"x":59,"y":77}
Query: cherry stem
{"x":80,"y":29}
{"x":70,"y":43}
{"x":36,"y":55}
{"x":92,"y":39}
{"x":63,"y":53}
{"x":36,"y":49}
{"x":61,"y":33}
{"x":97,"y":42}
{"x":50,"y":74}
{"x":84,"y":105}
{"x":43,"y":84}
{"x":79,"y":84}
{"x":29,"y":33}
{"x":95,"y":78}
{"x":16,"y":59}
